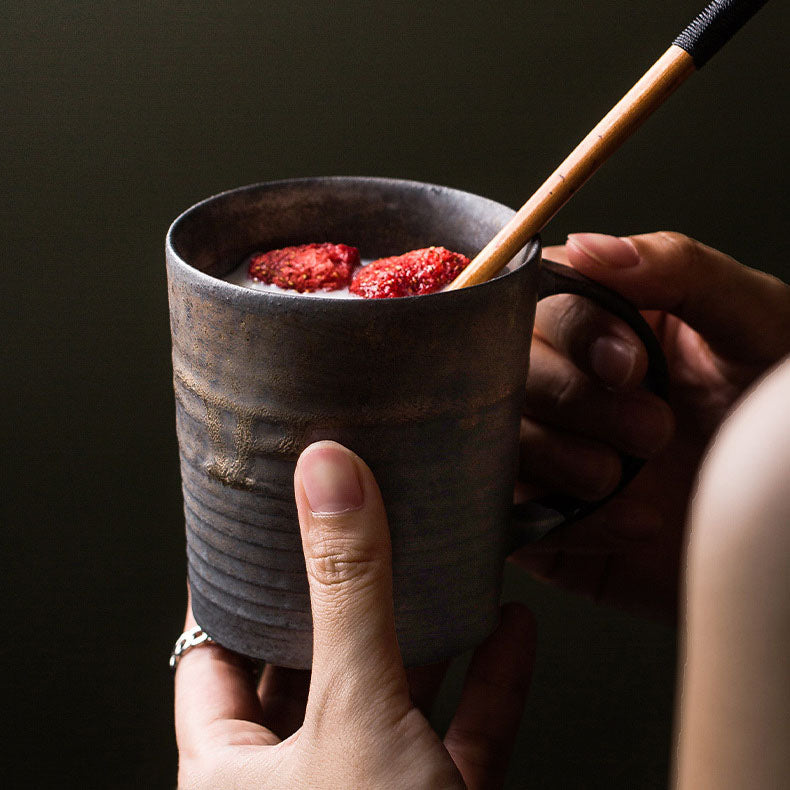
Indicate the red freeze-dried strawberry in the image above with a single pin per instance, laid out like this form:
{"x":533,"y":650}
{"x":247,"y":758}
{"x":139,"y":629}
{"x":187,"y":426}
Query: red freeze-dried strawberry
{"x":416,"y":272}
{"x":306,"y":267}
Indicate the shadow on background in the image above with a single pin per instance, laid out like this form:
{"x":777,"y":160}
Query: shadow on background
{"x":122,"y":115}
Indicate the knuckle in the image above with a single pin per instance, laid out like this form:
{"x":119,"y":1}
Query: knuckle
{"x":687,"y":249}
{"x":573,"y":314}
{"x":563,"y":315}
{"x":339,"y":561}
{"x":568,"y":393}
{"x":573,"y":323}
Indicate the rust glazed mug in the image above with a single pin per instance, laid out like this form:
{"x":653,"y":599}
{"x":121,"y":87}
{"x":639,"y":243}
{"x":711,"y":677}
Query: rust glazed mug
{"x":427,"y":390}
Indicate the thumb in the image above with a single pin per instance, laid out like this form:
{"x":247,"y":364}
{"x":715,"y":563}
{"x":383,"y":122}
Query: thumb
{"x":348,"y":557}
{"x":742,"y":313}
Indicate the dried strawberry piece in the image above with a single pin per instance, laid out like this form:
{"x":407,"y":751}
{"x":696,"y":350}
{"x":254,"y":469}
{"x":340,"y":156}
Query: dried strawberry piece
{"x":417,"y":272}
{"x":306,"y":267}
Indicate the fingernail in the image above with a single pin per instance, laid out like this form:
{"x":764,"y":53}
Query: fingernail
{"x":330,"y":479}
{"x":606,"y":250}
{"x":613,"y":360}
{"x":645,"y":424}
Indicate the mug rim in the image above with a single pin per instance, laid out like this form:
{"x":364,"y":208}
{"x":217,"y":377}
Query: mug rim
{"x":531,"y":250}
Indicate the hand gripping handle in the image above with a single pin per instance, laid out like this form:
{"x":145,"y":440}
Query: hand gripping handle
{"x":532,"y":520}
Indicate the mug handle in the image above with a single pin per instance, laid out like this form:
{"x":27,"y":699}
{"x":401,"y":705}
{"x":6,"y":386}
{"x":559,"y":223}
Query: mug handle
{"x":532,"y":520}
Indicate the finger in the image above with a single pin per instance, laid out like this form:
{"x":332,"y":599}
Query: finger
{"x":556,"y":253}
{"x":598,"y":343}
{"x":560,"y":395}
{"x":617,"y":527}
{"x":356,"y":660}
{"x":562,"y":462}
{"x":213,"y":688}
{"x":741,"y":312}
{"x":482,"y":733}
{"x":581,"y":557}
{"x":283,"y":696}
{"x":424,"y":685}
{"x":583,"y":574}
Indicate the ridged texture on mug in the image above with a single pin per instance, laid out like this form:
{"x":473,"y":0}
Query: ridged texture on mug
{"x":426,"y":390}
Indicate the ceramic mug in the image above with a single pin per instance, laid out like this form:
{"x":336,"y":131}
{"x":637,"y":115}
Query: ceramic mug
{"x":428,"y":390}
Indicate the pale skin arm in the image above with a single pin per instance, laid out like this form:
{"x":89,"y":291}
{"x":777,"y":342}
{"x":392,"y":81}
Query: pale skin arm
{"x":734,"y":709}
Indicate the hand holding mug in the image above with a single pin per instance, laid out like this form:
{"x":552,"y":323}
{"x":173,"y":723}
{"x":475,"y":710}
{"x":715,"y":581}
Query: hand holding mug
{"x":357,"y":726}
{"x":721,"y":325}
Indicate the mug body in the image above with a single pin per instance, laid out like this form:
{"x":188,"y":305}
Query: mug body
{"x":427,"y":390}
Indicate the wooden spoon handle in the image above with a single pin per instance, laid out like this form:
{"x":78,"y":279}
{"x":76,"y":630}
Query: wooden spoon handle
{"x":693,"y":47}
{"x":669,"y":71}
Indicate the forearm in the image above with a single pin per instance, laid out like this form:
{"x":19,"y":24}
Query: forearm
{"x":734,"y":706}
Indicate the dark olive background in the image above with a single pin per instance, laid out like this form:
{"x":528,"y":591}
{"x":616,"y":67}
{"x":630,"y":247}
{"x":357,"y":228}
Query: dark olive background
{"x":119,"y":116}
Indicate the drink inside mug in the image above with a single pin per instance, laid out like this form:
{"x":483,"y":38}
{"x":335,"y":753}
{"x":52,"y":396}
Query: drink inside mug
{"x":427,"y":390}
{"x":337,"y":271}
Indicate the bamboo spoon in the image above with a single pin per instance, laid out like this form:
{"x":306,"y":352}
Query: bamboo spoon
{"x":709,"y":31}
